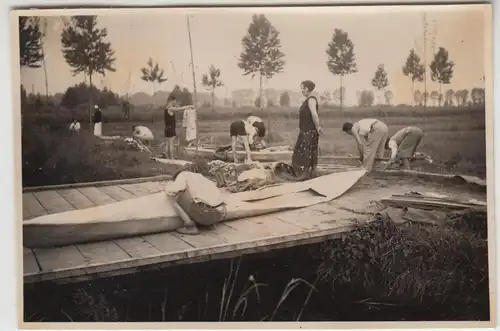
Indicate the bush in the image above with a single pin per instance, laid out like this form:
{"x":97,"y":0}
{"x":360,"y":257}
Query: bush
{"x":51,"y":155}
{"x":412,"y":265}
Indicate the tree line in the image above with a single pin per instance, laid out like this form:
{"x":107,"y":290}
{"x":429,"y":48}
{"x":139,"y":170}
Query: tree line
{"x":86,"y":50}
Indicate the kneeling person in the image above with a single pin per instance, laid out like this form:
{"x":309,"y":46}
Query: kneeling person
{"x":142,"y":134}
{"x":196,"y":199}
{"x":403,"y":145}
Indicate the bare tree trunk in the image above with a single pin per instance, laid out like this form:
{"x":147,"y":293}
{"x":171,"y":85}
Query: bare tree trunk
{"x":412,"y":92}
{"x":91,"y":100}
{"x":213,"y":99}
{"x":341,"y":94}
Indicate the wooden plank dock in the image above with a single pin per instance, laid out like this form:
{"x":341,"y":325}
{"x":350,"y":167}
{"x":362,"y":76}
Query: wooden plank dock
{"x":83,"y":262}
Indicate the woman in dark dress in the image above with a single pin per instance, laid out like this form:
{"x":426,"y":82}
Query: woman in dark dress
{"x":305,"y":154}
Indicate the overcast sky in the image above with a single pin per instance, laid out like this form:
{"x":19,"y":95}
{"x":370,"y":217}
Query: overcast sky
{"x":381,"y":35}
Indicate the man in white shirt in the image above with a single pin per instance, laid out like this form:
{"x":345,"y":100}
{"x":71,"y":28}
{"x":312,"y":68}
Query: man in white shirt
{"x":403,"y":145}
{"x":370,"y":135}
{"x":196,"y":199}
{"x":143,"y":135}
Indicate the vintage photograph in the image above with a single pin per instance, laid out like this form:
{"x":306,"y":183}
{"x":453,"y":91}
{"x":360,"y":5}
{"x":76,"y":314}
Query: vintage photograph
{"x":255,"y":164}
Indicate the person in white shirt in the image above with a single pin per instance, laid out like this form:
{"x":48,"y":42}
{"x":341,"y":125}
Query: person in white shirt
{"x":196,"y":199}
{"x":250,"y":131}
{"x":370,"y":135}
{"x":403,"y":145}
{"x":142,"y":134}
{"x":74,"y":126}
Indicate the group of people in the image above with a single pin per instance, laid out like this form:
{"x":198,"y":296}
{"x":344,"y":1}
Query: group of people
{"x":371,"y":136}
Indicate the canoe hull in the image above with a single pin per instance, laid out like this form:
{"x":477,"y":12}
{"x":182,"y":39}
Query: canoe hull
{"x":154,"y":213}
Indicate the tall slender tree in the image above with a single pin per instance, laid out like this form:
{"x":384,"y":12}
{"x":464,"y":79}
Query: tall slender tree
{"x":152,"y":73}
{"x":341,"y":58}
{"x":86,"y":50}
{"x":441,"y":69}
{"x":261,"y":53}
{"x":414,"y":69}
{"x":380,"y":80}
{"x":211,"y":81}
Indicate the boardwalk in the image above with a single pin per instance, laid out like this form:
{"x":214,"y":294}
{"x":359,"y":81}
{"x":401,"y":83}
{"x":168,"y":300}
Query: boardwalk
{"x":258,"y":234}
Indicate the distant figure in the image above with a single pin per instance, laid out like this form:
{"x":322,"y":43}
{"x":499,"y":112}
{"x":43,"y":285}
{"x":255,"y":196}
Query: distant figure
{"x":170,"y":124}
{"x":305,"y":153}
{"x":126,"y":109}
{"x":371,"y":136}
{"x":403,"y":145}
{"x":250,"y":131}
{"x":143,"y":135}
{"x":97,"y":119}
{"x":75,"y":125}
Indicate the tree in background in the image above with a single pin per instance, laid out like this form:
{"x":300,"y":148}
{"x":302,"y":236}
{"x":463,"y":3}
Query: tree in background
{"x":71,"y":98}
{"x":338,"y":95}
{"x":462,"y":96}
{"x":380,"y":80}
{"x":152,"y":73}
{"x":477,"y":96}
{"x":417,"y":97}
{"x":414,"y":69}
{"x":341,"y":59}
{"x":183,"y":96}
{"x":448,"y":97}
{"x":441,"y":69}
{"x":285,"y":99}
{"x":388,"y":95}
{"x":86,"y":50}
{"x":30,"y":42}
{"x":434,"y":97}
{"x":425,"y":97}
{"x":366,"y":98}
{"x":261,"y":53}
{"x":211,"y":82}
{"x":325,"y":98}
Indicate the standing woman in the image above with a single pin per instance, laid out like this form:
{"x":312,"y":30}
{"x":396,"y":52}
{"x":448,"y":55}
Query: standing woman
{"x":170,"y":124}
{"x":305,"y":153}
{"x":97,"y":119}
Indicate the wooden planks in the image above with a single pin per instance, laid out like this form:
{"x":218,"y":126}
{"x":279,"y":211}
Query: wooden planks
{"x":30,"y":265}
{"x":117,"y":192}
{"x":97,"y":196}
{"x":32,"y":207}
{"x":76,"y":198}
{"x":52,"y":202}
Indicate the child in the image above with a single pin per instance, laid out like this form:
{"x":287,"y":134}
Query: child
{"x":74,"y":126}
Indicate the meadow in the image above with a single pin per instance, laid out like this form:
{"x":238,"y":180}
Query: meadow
{"x":455,"y":139}
{"x":377,"y":272}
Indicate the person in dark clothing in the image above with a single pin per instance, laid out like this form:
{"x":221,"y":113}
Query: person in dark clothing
{"x":170,"y":124}
{"x":251,"y":130}
{"x":305,"y":153}
{"x":97,"y":119}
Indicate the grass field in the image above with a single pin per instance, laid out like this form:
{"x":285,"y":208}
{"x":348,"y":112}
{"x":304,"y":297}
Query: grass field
{"x":455,"y":139}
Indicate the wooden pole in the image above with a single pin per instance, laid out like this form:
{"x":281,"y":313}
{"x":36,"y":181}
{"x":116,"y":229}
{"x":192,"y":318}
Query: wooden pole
{"x":194,"y":84}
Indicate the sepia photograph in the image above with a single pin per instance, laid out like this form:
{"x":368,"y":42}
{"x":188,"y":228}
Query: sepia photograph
{"x":297,"y":164}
